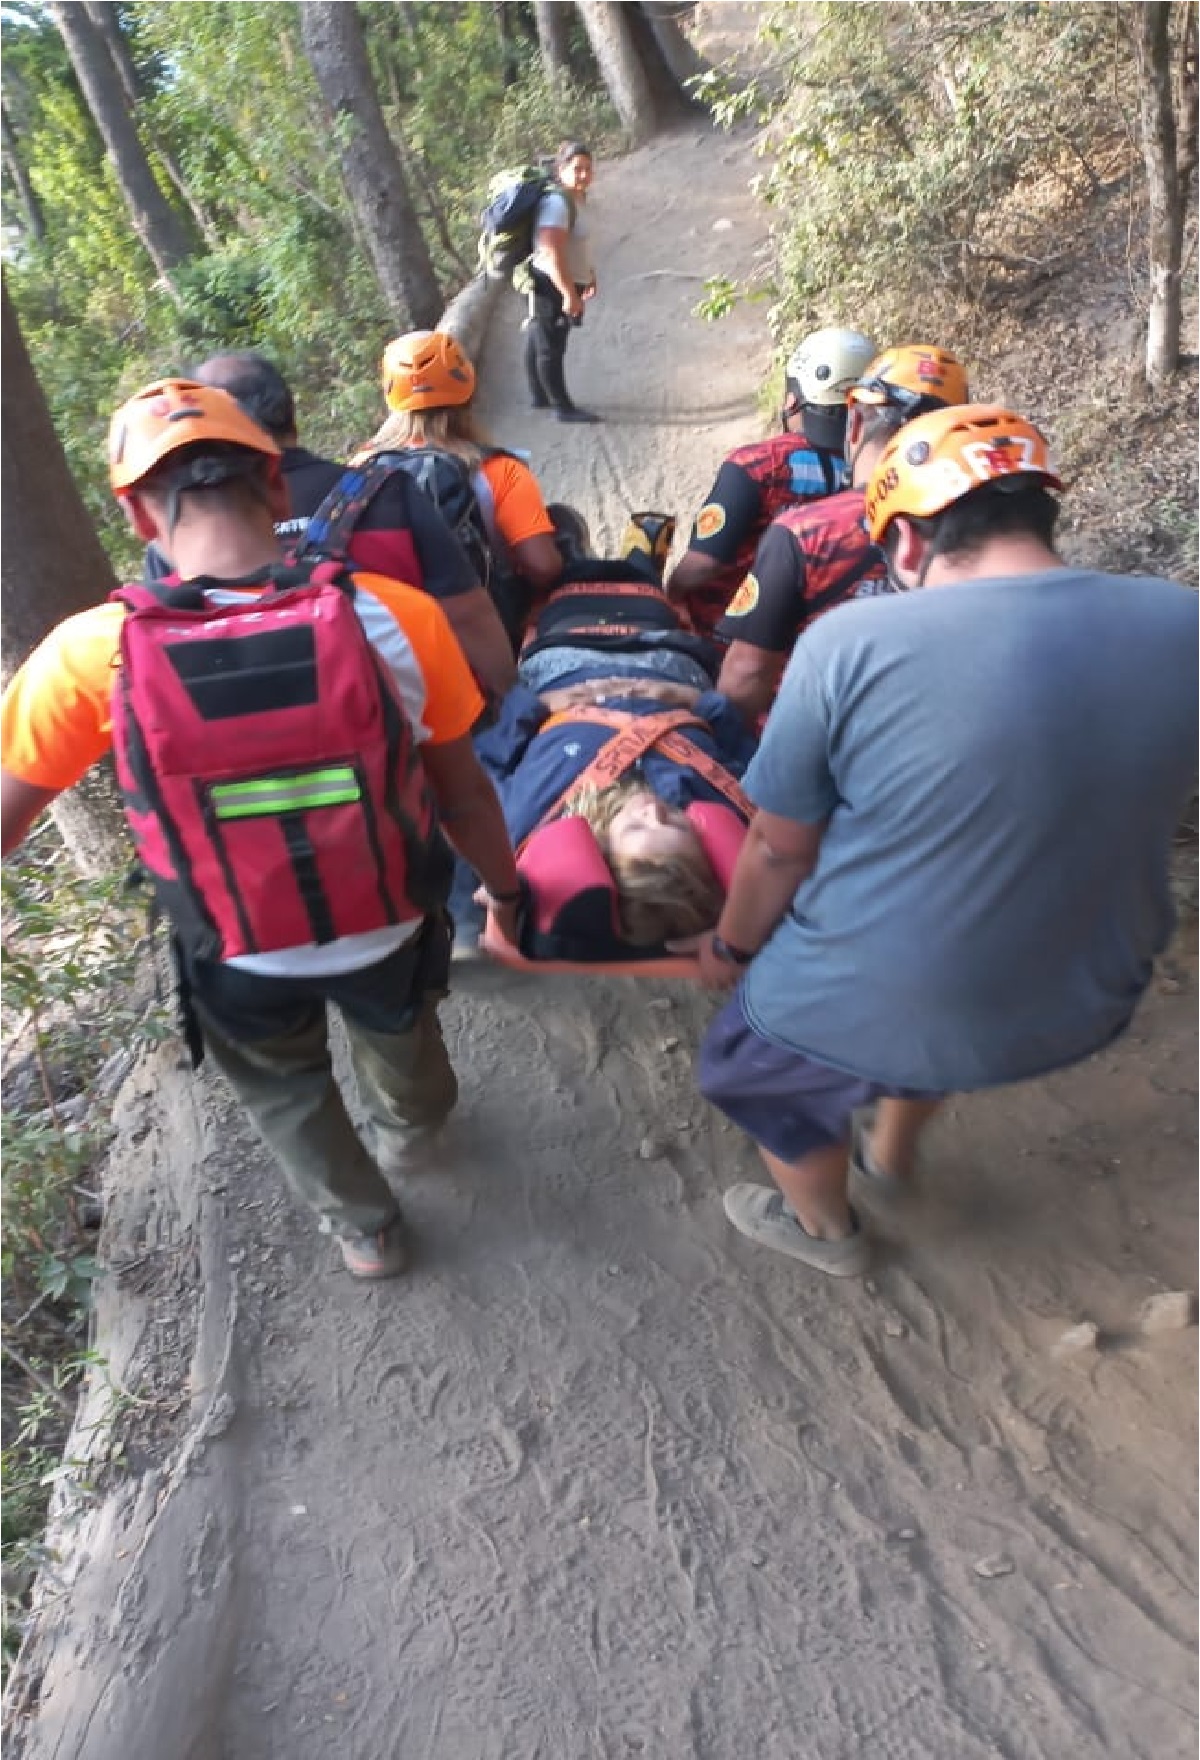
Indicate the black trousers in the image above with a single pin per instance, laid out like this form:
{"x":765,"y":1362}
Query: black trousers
{"x":546,"y":343}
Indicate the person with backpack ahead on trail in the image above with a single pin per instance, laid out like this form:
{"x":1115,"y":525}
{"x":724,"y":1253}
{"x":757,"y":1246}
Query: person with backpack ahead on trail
{"x":384,"y":525}
{"x":288,"y":741}
{"x":561,"y":281}
{"x":489,"y":497}
{"x":818,"y":554}
{"x":756,"y":482}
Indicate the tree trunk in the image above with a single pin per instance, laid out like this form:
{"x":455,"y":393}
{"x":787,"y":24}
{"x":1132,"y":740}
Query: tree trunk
{"x":161,"y":230}
{"x":680,"y":54}
{"x":371,"y":169}
{"x":673,"y":104}
{"x":510,"y":66}
{"x":1187,"y":109}
{"x":408,"y":20}
{"x":645,"y":94}
{"x":554,"y":40}
{"x":104,"y":15}
{"x":52,"y":565}
{"x":34,"y":217}
{"x":1152,"y":28}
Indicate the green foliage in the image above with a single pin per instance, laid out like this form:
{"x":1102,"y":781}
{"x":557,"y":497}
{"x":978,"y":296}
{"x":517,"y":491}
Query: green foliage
{"x":228,"y":91}
{"x":32,"y":1463}
{"x":71,"y":954}
{"x":924,"y":154}
{"x":720,"y":297}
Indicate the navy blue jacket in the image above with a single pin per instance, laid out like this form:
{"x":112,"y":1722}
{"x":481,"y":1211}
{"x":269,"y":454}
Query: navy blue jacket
{"x":531,"y":769}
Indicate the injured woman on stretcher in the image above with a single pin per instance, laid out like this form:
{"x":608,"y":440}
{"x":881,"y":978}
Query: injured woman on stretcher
{"x":617,"y":764}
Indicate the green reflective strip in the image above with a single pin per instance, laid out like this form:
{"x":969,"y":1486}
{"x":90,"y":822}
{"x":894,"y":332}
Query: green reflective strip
{"x":286,"y":794}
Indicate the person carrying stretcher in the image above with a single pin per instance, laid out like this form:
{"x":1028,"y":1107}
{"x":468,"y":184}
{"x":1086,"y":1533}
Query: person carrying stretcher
{"x":617,"y":765}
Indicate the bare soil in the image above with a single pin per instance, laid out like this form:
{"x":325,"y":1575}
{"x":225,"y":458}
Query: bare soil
{"x":598,"y":1478}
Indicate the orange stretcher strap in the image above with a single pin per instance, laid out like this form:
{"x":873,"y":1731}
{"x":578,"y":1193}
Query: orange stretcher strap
{"x":608,"y":590}
{"x":633,"y":737}
{"x":676,"y":965}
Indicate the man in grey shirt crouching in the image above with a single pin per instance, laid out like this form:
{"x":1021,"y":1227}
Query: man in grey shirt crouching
{"x":967,"y":793}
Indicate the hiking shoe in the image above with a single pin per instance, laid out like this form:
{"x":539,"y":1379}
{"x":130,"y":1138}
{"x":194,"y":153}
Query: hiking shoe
{"x":572,"y":413}
{"x":764,"y":1216}
{"x":373,"y":1256}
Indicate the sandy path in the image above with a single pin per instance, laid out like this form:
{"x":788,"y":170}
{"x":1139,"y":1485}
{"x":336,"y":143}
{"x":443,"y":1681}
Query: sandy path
{"x":600,"y":1480}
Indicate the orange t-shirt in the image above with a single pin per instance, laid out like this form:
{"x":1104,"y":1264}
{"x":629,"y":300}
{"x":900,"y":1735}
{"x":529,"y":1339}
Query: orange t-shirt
{"x":56,"y":714}
{"x":517,"y":500}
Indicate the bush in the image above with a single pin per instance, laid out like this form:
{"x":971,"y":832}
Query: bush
{"x":71,"y":957}
{"x":923,"y":155}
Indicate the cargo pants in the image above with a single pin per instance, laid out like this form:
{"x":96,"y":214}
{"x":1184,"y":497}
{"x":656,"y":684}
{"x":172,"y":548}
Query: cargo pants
{"x":269,"y":1037}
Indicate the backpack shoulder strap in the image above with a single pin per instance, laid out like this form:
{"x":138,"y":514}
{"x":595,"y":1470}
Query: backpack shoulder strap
{"x":330,"y":528}
{"x":487,"y":503}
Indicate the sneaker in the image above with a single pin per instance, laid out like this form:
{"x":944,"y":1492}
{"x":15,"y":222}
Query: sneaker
{"x":572,"y":413}
{"x":765,"y":1217}
{"x":372,"y":1256}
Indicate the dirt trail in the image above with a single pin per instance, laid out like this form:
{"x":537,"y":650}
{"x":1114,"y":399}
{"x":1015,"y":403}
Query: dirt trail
{"x":598,"y":1479}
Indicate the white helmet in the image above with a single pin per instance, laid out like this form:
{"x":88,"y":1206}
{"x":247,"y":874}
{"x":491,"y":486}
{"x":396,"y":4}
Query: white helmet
{"x":826,"y":364}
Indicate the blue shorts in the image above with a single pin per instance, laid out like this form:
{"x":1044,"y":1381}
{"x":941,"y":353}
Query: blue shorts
{"x":788,"y":1102}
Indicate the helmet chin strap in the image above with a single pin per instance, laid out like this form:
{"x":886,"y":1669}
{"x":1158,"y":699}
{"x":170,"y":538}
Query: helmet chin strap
{"x":932,"y":551}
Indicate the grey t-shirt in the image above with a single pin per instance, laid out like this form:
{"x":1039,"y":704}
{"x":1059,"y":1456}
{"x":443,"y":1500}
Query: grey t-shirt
{"x":557,"y":209}
{"x":1003,"y":764}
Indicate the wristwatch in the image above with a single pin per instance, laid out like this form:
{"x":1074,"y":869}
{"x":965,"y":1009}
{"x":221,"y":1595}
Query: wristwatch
{"x":732,"y":956}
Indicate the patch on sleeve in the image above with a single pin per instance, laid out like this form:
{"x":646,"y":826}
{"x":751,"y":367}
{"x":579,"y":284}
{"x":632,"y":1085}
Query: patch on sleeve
{"x":745,"y":599}
{"x":710,"y":520}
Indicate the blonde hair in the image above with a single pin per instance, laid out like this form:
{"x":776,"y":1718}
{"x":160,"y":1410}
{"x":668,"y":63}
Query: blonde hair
{"x":657,"y":900}
{"x":453,"y":429}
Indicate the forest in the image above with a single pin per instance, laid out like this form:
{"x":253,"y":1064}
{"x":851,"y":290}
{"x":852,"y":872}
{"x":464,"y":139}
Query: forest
{"x":307,"y":179}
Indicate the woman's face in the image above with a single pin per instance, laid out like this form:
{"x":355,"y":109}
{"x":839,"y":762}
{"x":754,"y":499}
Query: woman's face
{"x":646,"y":829}
{"x":576,"y":174}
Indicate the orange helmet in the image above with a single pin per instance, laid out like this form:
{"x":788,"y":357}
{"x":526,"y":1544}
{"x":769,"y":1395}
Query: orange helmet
{"x":426,"y":370}
{"x":912,"y":379}
{"x":938,"y":458}
{"x":172,"y":414}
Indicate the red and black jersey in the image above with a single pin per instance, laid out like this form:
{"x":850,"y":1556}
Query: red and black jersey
{"x":754,"y":484}
{"x":810,"y":559}
{"x":401,"y":533}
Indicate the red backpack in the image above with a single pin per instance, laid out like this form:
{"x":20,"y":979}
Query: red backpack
{"x":269,"y":771}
